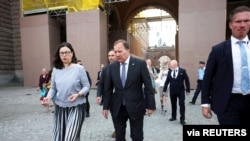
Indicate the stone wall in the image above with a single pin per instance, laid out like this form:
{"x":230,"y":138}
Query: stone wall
{"x":10,"y":48}
{"x":15,"y":16}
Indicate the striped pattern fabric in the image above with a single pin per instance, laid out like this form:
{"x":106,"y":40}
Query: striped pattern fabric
{"x":68,"y":123}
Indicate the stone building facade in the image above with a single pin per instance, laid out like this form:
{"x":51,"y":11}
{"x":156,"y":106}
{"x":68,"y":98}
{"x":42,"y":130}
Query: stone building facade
{"x":10,"y":42}
{"x":16,"y":57}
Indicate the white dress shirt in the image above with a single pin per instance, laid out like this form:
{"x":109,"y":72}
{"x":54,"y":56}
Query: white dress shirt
{"x":237,"y":63}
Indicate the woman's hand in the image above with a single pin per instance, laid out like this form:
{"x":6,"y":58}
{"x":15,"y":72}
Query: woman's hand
{"x":73,"y":97}
{"x":45,"y":101}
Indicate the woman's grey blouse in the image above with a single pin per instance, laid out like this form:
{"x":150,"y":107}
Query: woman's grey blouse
{"x":68,"y":81}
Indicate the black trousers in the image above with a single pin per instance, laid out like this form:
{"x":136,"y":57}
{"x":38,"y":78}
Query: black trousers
{"x":173,"y":99}
{"x":120,"y":124}
{"x":197,"y":91}
{"x":87,"y":105}
{"x":237,"y":112}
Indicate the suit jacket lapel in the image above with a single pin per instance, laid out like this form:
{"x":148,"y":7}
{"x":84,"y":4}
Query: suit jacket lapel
{"x":228,"y":54}
{"x":131,"y":66}
{"x":117,"y":73}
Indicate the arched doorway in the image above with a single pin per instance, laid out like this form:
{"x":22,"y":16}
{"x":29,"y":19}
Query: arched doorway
{"x":124,"y":23}
{"x":156,"y":30}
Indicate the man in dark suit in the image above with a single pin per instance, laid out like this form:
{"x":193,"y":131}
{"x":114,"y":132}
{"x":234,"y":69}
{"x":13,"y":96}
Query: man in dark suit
{"x":223,"y":87}
{"x":127,"y":76}
{"x":100,"y":88}
{"x":99,"y":73}
{"x":176,"y":78}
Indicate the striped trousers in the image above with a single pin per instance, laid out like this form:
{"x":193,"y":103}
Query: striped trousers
{"x":68,"y":123}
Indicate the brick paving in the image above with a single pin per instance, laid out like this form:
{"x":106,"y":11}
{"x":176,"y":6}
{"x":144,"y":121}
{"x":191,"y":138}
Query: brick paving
{"x":22,"y":118}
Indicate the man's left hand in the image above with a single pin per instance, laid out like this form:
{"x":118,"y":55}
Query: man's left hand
{"x":150,"y":112}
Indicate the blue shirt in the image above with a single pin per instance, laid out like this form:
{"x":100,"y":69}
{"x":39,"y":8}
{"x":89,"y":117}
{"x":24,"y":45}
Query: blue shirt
{"x":201,"y":72}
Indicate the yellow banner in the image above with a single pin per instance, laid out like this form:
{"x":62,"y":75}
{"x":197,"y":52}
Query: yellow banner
{"x":92,"y":4}
{"x":71,"y":5}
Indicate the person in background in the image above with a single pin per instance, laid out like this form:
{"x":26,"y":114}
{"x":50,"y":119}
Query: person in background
{"x":153,"y":73}
{"x":87,"y":105}
{"x":48,"y":80}
{"x":48,"y":85}
{"x":126,"y":76}
{"x":201,"y":71}
{"x":100,"y":88}
{"x":69,"y":82}
{"x":99,"y":73}
{"x":176,"y":78}
{"x":163,"y":96}
{"x":42,"y":86}
{"x":157,"y":68}
{"x":225,"y":86}
{"x":42,"y":79}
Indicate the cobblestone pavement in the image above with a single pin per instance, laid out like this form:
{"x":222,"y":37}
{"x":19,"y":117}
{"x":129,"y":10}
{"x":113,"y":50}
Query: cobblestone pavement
{"x":22,"y":118}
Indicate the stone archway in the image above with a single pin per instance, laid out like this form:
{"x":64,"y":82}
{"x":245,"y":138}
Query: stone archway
{"x":125,"y":13}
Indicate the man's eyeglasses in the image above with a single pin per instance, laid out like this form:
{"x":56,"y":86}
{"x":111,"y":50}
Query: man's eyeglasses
{"x":65,"y":53}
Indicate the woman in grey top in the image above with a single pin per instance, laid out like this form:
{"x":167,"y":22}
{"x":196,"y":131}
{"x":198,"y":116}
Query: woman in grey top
{"x":70,"y":84}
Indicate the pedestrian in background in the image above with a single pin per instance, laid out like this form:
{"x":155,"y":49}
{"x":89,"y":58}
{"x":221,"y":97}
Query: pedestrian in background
{"x":179,"y":83}
{"x":153,"y":74}
{"x":163,"y":96}
{"x":201,"y":71}
{"x":100,"y":88}
{"x":99,"y":73}
{"x":42,"y":79}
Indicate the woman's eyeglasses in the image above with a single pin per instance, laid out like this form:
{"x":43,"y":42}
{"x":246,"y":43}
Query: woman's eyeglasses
{"x":65,"y":53}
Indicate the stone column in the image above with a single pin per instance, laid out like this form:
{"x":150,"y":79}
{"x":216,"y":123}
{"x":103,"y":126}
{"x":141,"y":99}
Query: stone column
{"x":202,"y":24}
{"x":87,"y":32}
{"x":40,"y":36}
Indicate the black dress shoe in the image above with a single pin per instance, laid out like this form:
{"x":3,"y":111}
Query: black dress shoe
{"x":172,"y":119}
{"x":191,"y":102}
{"x":183,"y":122}
{"x":113,"y":135}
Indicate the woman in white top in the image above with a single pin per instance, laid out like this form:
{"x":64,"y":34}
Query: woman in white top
{"x":163,"y":97}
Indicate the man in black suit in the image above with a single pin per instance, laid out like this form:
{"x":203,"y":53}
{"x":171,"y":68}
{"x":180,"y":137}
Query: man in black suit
{"x":127,"y":76}
{"x":100,"y":88}
{"x":99,"y":73}
{"x":176,"y":78}
{"x":223,"y":91}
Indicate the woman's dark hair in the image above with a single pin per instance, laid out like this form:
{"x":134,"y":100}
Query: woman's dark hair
{"x":57,"y":60}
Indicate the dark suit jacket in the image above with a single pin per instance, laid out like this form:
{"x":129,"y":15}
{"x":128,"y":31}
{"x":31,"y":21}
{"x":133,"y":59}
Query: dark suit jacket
{"x":100,"y":87}
{"x":218,"y":78}
{"x":90,"y":81}
{"x":98,"y":77}
{"x":177,"y":84}
{"x":137,"y":75}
